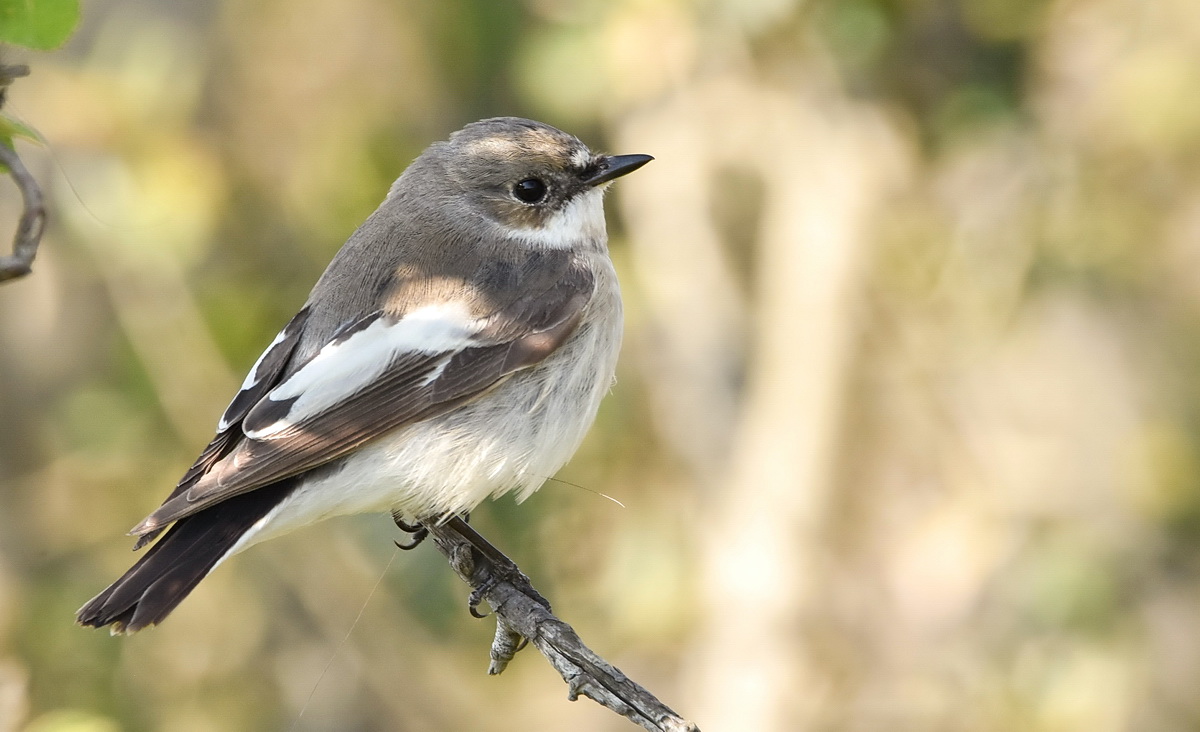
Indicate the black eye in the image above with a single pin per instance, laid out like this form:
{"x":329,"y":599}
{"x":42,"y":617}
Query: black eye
{"x":530,"y":190}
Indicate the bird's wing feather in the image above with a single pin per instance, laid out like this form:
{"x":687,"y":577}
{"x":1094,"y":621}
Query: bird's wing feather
{"x":379,"y":374}
{"x":264,"y":375}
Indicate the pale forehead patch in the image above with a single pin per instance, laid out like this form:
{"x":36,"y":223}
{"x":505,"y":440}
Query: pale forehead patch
{"x":494,"y":145}
{"x":581,"y":157}
{"x":520,"y":143}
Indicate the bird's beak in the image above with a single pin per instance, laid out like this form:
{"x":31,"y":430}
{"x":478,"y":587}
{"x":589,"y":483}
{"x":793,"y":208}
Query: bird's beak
{"x":615,"y":166}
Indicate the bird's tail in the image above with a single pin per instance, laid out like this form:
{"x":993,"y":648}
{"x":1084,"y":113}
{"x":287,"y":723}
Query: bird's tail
{"x":172,"y":568}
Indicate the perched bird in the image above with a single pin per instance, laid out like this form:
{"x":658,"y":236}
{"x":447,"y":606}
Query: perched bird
{"x":457,"y":347}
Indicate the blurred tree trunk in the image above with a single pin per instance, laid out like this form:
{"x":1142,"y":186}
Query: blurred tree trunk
{"x":765,"y":454}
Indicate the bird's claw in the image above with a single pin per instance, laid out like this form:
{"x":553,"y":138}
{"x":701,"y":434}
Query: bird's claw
{"x":477,"y":595}
{"x":418,"y":532}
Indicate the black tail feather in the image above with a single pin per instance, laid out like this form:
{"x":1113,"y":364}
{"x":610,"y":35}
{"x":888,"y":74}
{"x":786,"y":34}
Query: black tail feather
{"x":173,"y":567}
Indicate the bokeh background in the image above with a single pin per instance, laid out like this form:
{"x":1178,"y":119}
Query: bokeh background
{"x":907,"y":428}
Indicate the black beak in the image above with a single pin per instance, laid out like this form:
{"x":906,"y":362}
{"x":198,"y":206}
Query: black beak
{"x":615,"y":166}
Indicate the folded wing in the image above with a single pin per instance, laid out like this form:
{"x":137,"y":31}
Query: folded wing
{"x":264,"y":375}
{"x":379,"y":373}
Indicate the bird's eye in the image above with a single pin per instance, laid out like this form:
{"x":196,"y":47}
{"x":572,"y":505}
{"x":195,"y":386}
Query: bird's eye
{"x":530,"y":190}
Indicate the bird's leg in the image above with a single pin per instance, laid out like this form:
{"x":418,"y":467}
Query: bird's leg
{"x":417,"y":530}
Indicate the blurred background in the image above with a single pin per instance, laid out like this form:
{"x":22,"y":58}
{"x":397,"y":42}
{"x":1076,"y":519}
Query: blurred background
{"x":907,"y":428}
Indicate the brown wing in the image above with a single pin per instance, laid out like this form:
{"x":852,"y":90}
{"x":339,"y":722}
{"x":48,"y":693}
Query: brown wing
{"x":264,"y":376}
{"x":287,"y":436}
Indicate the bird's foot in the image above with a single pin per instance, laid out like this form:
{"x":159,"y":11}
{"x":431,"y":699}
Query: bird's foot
{"x":416,"y":529}
{"x":503,"y":569}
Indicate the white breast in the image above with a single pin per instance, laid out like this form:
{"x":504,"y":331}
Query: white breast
{"x":511,"y":439}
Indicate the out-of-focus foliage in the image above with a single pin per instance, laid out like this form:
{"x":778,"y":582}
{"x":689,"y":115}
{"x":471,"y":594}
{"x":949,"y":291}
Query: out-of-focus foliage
{"x":907,"y":428}
{"x":40,"y":24}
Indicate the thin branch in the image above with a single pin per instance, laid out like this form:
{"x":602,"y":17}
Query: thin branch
{"x":32,"y":223}
{"x":523,"y":613}
{"x":33,"y":216}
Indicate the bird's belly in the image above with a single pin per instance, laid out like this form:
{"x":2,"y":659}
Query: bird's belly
{"x":511,"y":439}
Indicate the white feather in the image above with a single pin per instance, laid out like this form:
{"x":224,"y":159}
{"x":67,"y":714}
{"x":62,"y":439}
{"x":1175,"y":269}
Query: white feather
{"x":581,"y":219}
{"x":345,"y":368}
{"x":514,"y":440}
{"x":252,"y":377}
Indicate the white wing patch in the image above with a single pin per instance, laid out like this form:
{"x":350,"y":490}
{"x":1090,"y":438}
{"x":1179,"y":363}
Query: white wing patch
{"x":252,"y":377}
{"x":436,"y":372}
{"x":342,"y":369}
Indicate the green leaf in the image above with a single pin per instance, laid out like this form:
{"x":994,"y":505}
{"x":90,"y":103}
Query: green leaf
{"x":41,"y":24}
{"x":10,"y":128}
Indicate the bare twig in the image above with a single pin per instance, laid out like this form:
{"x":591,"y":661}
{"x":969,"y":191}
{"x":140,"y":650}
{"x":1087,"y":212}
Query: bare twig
{"x":7,"y":74}
{"x":33,"y":216}
{"x":523,"y":613}
{"x":32,"y":223}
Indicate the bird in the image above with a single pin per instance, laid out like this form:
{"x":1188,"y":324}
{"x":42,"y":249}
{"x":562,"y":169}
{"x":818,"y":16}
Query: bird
{"x":456,"y":348}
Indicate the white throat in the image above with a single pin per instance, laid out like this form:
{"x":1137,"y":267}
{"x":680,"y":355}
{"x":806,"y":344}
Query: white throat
{"x":580,"y":220}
